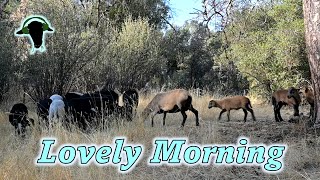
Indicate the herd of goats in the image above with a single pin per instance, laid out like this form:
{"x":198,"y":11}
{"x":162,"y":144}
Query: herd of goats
{"x":82,"y":110}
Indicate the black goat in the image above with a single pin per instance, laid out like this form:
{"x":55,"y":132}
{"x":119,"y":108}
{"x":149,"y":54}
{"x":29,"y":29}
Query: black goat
{"x":43,"y":110}
{"x":18,"y":117}
{"x":84,"y":108}
{"x":130,"y":103}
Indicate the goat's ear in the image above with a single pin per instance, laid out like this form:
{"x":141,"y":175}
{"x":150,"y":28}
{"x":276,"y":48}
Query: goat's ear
{"x":19,"y":32}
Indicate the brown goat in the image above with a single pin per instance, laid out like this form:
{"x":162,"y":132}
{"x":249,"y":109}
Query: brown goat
{"x":282,"y":97}
{"x":178,"y":100}
{"x":233,"y":103}
{"x":307,"y":93}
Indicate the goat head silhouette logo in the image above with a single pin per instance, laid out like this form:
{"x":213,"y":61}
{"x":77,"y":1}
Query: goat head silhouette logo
{"x":35,"y":27}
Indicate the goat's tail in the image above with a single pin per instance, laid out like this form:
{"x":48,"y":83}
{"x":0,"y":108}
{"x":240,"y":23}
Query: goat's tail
{"x":249,"y":104}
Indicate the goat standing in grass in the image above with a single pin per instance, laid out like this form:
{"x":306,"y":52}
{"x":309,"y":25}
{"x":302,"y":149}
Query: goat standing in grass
{"x":282,"y":97}
{"x":43,"y":111}
{"x":178,"y":100}
{"x":18,"y":117}
{"x":57,"y":109}
{"x":307,"y":93}
{"x":233,"y":103}
{"x":130,"y":103}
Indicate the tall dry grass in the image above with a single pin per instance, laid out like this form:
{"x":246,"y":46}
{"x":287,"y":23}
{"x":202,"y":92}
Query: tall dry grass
{"x":302,"y":160}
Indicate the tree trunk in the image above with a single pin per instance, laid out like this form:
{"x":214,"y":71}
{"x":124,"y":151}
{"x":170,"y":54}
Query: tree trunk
{"x":312,"y":26}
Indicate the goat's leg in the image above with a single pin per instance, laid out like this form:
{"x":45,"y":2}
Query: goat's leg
{"x":275,"y":112}
{"x":130,"y":114}
{"x":17,"y":130}
{"x":279,"y":112}
{"x":83,"y":124}
{"x":195,"y":112}
{"x":152,"y":117}
{"x":248,"y":108}
{"x":80,"y":119}
{"x":164,"y":118}
{"x":184,"y":117}
{"x":223,"y":110}
{"x":228,"y":115}
{"x":51,"y":116}
{"x":296,"y":110}
{"x":252,"y":113}
{"x":62,"y":115}
{"x":245,"y":115}
{"x":23,"y":131}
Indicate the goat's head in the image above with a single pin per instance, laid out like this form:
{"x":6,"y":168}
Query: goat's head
{"x":212,"y":104}
{"x":303,"y":91}
{"x":56,"y":97}
{"x":36,"y":33}
{"x":17,"y":117}
{"x":295,"y":94}
{"x":145,"y":113}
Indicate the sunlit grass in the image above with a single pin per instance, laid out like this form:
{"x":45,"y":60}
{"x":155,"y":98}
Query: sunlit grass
{"x":302,"y":160}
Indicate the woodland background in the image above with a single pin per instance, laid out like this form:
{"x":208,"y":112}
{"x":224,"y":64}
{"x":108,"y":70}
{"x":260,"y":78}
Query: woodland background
{"x":243,"y":46}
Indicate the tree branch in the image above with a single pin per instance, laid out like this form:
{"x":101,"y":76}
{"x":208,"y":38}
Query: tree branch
{"x":169,"y":24}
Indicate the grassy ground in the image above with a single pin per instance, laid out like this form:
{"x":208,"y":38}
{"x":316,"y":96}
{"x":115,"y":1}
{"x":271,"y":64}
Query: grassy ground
{"x":302,"y":160}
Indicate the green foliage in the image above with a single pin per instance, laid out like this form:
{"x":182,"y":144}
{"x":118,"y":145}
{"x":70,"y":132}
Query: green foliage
{"x":156,"y":11}
{"x":173,"y":48}
{"x":7,"y":58}
{"x":267,"y":44}
{"x":224,"y":77}
{"x":71,"y":49}
{"x":187,"y":54}
{"x":197,"y":61}
{"x":135,"y":55}
{"x":120,"y":44}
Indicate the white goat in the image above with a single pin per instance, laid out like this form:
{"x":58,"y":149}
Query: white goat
{"x":56,"y":110}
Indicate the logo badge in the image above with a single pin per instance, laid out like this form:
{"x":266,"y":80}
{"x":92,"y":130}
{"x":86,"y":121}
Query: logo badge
{"x":35,"y":27}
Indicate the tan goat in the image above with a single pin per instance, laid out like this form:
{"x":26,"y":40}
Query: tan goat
{"x":282,"y":97}
{"x":307,"y":93}
{"x":233,"y":103}
{"x":178,"y":100}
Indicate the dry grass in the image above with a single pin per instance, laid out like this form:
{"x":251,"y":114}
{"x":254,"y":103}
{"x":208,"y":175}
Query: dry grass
{"x":302,"y":160}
